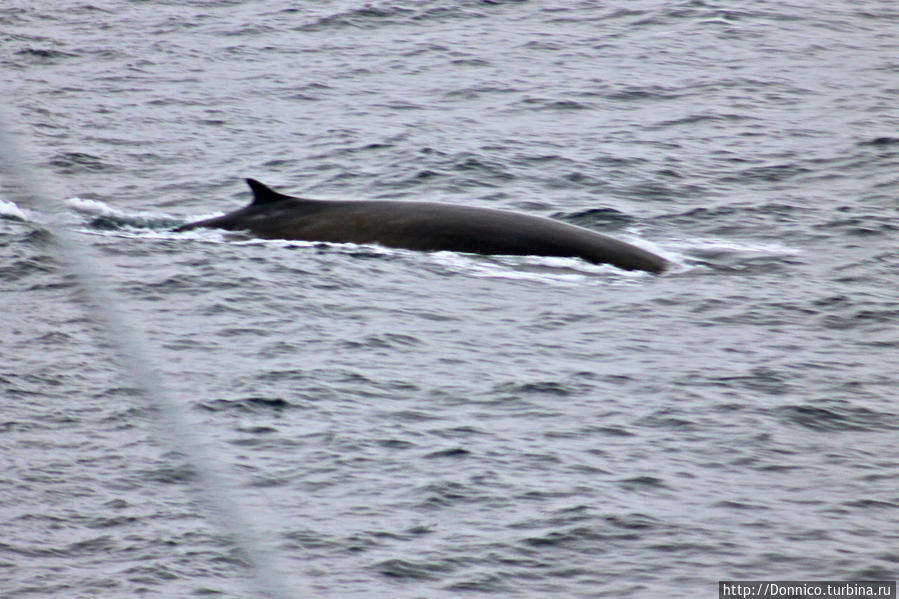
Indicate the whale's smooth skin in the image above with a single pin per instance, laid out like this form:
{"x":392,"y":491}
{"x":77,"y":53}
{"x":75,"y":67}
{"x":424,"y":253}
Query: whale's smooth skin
{"x":425,"y":226}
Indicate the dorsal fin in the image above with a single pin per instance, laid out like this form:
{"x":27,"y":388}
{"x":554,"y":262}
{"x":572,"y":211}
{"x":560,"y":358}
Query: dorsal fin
{"x":263,"y":194}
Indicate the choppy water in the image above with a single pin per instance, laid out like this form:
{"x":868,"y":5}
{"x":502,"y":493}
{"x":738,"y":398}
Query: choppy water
{"x":443,"y":425}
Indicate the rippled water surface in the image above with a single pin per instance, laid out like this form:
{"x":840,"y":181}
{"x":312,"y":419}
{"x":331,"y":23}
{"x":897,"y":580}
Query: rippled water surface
{"x":443,"y":425}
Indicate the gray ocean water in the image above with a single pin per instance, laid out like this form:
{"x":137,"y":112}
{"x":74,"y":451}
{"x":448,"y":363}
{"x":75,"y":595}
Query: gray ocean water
{"x":445,"y":425}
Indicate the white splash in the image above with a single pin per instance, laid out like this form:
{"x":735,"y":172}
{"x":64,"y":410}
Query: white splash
{"x":12,"y":211}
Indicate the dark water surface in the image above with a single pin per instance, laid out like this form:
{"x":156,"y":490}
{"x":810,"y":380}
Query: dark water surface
{"x":444,"y":425}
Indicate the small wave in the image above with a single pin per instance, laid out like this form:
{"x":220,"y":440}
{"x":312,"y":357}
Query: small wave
{"x":642,"y":483}
{"x":409,"y":570}
{"x":638,"y":94}
{"x":12,"y":211}
{"x":880,"y":141}
{"x":561,"y":104}
{"x":452,"y":452}
{"x":103,"y":217}
{"x":44,"y":55}
{"x":535,"y":388}
{"x":599,"y":217}
{"x":767,"y":173}
{"x":724,"y":253}
{"x":737,"y":246}
{"x":364,"y":17}
{"x":246,"y":405}
{"x":78,"y":162}
{"x":378,"y":14}
{"x":836,"y":417}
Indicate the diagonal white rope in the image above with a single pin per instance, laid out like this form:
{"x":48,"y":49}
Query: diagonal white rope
{"x":128,"y":341}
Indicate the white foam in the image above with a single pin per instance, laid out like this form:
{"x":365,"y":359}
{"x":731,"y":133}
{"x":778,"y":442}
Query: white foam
{"x":12,"y":210}
{"x":710,"y":243}
{"x":91,"y":207}
{"x":552,"y":270}
{"x":678,"y":251}
{"x":100,"y":208}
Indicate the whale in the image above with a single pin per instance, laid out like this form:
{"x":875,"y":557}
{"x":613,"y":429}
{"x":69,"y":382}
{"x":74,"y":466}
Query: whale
{"x":425,"y":226}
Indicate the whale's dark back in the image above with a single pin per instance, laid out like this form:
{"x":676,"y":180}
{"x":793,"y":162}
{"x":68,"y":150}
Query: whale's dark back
{"x":427,"y":226}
